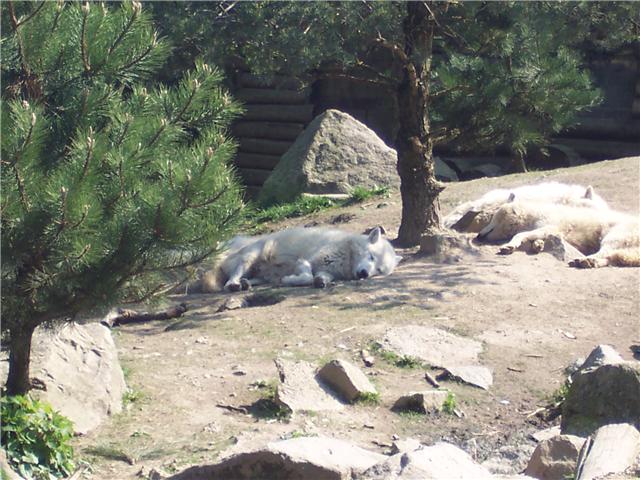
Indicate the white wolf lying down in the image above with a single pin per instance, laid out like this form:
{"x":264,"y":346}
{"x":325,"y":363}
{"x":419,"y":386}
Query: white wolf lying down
{"x":473,"y":216}
{"x":302,"y":256}
{"x":607,"y":237}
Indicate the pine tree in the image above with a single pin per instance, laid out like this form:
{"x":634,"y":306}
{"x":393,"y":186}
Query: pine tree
{"x":109,"y":184}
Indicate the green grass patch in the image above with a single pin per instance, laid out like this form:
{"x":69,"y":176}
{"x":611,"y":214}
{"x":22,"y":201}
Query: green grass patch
{"x":560,"y":395}
{"x":267,"y":408}
{"x":400,"y":361}
{"x":449,"y":405}
{"x":306,"y":205}
{"x":361,"y":194}
{"x":368,"y":398}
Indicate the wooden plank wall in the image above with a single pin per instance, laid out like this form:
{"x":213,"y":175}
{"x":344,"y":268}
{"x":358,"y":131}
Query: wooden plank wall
{"x":276,"y":112}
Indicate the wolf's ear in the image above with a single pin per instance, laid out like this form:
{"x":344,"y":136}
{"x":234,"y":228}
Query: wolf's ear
{"x":398,"y":259}
{"x":589,"y":193}
{"x":512,"y":197}
{"x":374,"y":236}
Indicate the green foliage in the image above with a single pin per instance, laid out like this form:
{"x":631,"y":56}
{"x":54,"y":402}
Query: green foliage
{"x":267,"y":407}
{"x":362,"y":194}
{"x":560,"y":395}
{"x":111,"y":186}
{"x":299,"y":208}
{"x":449,"y":405}
{"x":36,"y":438}
{"x":368,"y":398}
{"x":400,"y":361}
{"x":504,"y":74}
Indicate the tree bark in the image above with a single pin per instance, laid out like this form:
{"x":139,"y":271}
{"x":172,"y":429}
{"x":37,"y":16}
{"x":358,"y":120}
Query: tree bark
{"x":418,"y":186}
{"x":18,"y":381}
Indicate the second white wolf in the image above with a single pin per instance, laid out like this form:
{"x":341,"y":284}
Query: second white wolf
{"x":301,"y":256}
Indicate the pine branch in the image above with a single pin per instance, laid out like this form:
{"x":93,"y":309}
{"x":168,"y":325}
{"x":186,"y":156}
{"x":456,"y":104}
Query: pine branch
{"x":122,"y":34}
{"x":33,"y":14}
{"x":83,"y":40}
{"x":90,"y":144}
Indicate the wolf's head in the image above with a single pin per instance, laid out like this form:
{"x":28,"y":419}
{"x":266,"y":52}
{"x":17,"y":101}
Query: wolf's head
{"x":374,"y":255}
{"x":511,"y":218}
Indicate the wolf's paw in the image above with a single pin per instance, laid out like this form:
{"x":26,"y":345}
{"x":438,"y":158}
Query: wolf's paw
{"x":583,"y":263}
{"x":320,"y":282}
{"x":232,"y":287}
{"x":245,"y":284}
{"x":506,"y":250}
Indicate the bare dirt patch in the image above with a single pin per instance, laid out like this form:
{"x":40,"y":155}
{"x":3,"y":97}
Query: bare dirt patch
{"x":533,"y":314}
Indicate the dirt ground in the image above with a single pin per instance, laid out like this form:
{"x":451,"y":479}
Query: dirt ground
{"x":533,"y":314}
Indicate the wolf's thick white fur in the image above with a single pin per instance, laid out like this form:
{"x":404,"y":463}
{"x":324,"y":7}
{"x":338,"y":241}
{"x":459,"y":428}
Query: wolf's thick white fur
{"x":473,"y":216}
{"x":301,"y":256}
{"x":605,"y":236}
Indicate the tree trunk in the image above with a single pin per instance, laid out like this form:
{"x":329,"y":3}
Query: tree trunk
{"x":18,"y":381}
{"x":418,"y":186}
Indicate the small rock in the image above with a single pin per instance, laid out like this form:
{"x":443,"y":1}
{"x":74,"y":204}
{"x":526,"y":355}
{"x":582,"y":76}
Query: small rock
{"x":555,"y":458}
{"x":406,"y":445}
{"x":422,"y":402}
{"x":546,"y":434}
{"x":232,"y":303}
{"x":367,"y":358}
{"x":346,"y":379}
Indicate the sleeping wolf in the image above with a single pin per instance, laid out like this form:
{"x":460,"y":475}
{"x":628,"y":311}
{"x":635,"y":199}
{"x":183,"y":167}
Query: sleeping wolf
{"x":606,"y":237}
{"x":473,"y":216}
{"x":302,"y":256}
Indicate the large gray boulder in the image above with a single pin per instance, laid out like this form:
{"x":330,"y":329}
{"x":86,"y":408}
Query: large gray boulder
{"x":334,"y":154}
{"x":601,"y":396}
{"x":318,"y":458}
{"x":78,"y":366}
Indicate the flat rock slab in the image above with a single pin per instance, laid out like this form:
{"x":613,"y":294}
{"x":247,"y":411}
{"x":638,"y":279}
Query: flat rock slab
{"x":346,"y":379}
{"x":300,"y":389}
{"x":441,"y":461}
{"x":302,"y":458}
{"x":422,"y":402}
{"x":473,"y":375}
{"x":433,"y":346}
{"x":555,"y":458}
{"x":78,"y":365}
{"x":546,"y":434}
{"x":612,"y":449}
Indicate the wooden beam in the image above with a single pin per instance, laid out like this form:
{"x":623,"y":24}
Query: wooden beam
{"x":279,"y":113}
{"x":269,"y":130}
{"x":261,"y":145}
{"x":267,"y":95}
{"x":256,"y":160}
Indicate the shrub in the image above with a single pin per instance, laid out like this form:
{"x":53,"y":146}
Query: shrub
{"x":36,"y":438}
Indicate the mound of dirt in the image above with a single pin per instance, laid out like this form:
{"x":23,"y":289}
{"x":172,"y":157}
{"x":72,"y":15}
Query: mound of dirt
{"x":532,"y":314}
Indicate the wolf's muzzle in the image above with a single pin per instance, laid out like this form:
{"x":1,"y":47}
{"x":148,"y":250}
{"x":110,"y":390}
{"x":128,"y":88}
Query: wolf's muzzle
{"x":362,"y":274}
